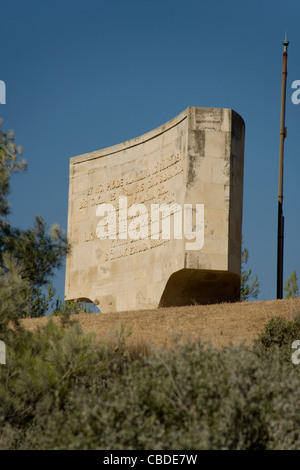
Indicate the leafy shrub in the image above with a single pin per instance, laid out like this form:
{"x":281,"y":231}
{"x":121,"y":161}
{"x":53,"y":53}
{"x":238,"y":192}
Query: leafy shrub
{"x":61,"y":389}
{"x":14,"y":294}
{"x":279,"y":332}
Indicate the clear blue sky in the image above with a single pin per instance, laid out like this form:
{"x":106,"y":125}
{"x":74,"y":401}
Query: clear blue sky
{"x":82,"y":75}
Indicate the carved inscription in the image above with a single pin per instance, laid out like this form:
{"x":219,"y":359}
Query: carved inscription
{"x":140,"y":187}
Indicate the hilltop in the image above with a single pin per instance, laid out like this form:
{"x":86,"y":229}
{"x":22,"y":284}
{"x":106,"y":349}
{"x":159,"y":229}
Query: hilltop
{"x":220,"y":324}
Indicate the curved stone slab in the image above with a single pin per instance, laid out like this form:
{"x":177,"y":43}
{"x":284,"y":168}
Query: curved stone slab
{"x":195,"y":161}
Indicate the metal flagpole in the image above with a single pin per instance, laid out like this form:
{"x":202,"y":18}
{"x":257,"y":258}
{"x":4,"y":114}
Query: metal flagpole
{"x":280,"y":234}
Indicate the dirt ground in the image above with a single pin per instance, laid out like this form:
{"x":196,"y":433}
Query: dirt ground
{"x":221,"y":324}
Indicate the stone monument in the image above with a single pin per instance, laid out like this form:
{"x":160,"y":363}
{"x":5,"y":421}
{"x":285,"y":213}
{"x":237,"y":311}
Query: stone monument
{"x":157,"y":220}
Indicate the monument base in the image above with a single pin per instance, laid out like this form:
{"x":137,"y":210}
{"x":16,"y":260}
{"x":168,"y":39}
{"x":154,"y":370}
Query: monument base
{"x":194,"y":286}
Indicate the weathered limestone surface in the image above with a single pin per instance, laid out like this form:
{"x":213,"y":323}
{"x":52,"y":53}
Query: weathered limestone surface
{"x":196,"y":158}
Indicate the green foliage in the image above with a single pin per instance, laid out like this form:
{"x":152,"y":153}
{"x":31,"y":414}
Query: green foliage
{"x":9,"y":163}
{"x":67,"y":308}
{"x":14,"y":294}
{"x":291,"y":287}
{"x":249,"y":287}
{"x":279,"y":334}
{"x":70,"y":307}
{"x":37,"y":251}
{"x":42,"y":368}
{"x":61,"y":389}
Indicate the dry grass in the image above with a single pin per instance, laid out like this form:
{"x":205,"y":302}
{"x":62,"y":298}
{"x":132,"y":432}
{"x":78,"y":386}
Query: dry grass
{"x":221,"y":324}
